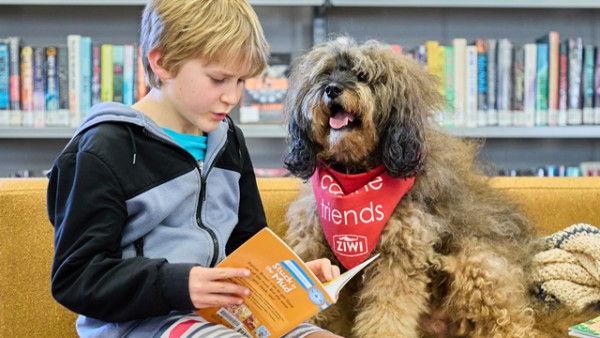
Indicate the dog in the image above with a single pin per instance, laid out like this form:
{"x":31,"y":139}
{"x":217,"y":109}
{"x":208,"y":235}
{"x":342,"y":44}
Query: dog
{"x":383,"y":177}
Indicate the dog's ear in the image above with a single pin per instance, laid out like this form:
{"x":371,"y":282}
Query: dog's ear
{"x":300,"y":160}
{"x":301,"y":157}
{"x":414,"y":99}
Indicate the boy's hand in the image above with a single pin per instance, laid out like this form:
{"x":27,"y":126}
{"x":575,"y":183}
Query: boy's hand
{"x":323,"y":269}
{"x":209,"y":288}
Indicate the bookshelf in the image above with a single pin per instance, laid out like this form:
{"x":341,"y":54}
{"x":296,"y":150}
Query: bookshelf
{"x":288,"y":26}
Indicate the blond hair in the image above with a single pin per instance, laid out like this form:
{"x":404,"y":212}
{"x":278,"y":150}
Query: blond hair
{"x":216,"y":31}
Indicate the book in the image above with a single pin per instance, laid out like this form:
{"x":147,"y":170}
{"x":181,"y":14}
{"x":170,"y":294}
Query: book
{"x":74,"y":77}
{"x":141,"y":86}
{"x":518,"y":97}
{"x":552,"y":39}
{"x":504,"y":82}
{"x":85,"y":85}
{"x":449,"y":83}
{"x":63,"y":113}
{"x":575,"y":72}
{"x":51,"y":84}
{"x":118,"y":61}
{"x":529,"y":83}
{"x":471,"y":68}
{"x":541,"y":86}
{"x":263,"y":95}
{"x":4,"y":84}
{"x":96,"y":74}
{"x":589,"y":329}
{"x":482,"y":85}
{"x":587,"y":84}
{"x":283,"y":291}
{"x":129,"y":52}
{"x":491,"y":82}
{"x":4,"y":79}
{"x":563,"y":69}
{"x":39,"y":86}
{"x":597,"y":86}
{"x":460,"y":81}
{"x":106,"y":73}
{"x":14,"y":46}
{"x":27,"y":86}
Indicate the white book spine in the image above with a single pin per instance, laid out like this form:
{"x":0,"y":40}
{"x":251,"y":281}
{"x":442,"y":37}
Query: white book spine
{"x":74,"y":52}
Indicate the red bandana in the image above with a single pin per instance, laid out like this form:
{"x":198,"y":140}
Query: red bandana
{"x":354,"y":209}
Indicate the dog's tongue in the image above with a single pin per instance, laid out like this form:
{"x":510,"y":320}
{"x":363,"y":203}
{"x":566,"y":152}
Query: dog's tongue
{"x":340,"y":119}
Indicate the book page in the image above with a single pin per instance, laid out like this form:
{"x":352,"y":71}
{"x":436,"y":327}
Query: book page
{"x":334,"y":287}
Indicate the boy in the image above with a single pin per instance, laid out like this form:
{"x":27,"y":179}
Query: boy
{"x":146,"y":200}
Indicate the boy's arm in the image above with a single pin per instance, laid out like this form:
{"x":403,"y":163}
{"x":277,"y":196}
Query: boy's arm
{"x":87,"y":208}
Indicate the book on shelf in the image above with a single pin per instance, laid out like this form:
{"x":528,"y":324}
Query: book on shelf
{"x":128,"y":74}
{"x":106,"y":72}
{"x":471,"y":116}
{"x":575,"y":59}
{"x":529,"y":83}
{"x":96,"y":95}
{"x":504,"y":80}
{"x":541,"y":86}
{"x":449,"y":84}
{"x":85,"y":91}
{"x":587,"y":85}
{"x":140,"y":76}
{"x":4,"y":84}
{"x":51,"y":95}
{"x":563,"y":83}
{"x":482,"y":84}
{"x":460,"y":81}
{"x":74,"y":49}
{"x":118,"y":61}
{"x":597,"y":86}
{"x":26,"y":86}
{"x":263,"y":95}
{"x":552,"y":39}
{"x":491,"y":81}
{"x":588,"y":329}
{"x":283,"y":291}
{"x":518,"y":98}
{"x":14,"y":46}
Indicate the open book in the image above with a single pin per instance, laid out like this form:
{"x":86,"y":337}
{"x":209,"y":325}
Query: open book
{"x":283,"y":291}
{"x":589,"y":329}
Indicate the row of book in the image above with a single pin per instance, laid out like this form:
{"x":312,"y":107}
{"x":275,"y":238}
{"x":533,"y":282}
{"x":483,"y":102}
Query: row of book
{"x":493,"y":82}
{"x":56,"y":85}
{"x":584,"y":169}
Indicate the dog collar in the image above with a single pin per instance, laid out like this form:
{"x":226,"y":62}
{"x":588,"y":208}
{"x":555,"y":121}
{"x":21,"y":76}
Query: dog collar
{"x":354,"y":209}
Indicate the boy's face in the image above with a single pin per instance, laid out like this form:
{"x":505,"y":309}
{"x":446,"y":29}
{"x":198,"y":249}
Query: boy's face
{"x":203,"y":94}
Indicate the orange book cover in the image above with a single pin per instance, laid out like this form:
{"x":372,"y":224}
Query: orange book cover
{"x":283,"y":291}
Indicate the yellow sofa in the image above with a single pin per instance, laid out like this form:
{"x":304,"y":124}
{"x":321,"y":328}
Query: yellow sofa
{"x":26,"y":238}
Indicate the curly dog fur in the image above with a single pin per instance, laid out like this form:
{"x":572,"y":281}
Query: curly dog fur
{"x":455,"y":253}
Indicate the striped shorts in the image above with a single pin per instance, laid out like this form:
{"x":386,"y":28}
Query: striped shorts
{"x":193,"y":326}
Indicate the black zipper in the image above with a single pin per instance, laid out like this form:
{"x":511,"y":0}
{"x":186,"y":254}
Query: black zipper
{"x":211,"y":233}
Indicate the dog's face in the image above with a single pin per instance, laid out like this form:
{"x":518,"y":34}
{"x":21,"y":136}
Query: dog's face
{"x":354,"y":107}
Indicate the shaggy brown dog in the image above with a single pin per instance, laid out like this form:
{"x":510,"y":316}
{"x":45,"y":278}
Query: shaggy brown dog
{"x":455,"y":253}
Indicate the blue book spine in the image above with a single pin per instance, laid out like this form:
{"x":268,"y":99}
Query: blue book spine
{"x":51,"y":80}
{"x":4,"y":76}
{"x":85,"y":102}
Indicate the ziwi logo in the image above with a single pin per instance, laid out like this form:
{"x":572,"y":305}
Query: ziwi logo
{"x":350,"y":245}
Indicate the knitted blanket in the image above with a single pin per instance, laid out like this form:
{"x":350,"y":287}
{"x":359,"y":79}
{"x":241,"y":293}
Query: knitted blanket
{"x":568,"y":270}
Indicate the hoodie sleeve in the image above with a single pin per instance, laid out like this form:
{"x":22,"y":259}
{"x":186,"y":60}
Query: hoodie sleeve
{"x":87,"y":207}
{"x":251,"y":213}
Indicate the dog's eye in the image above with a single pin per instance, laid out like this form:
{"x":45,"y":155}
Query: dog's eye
{"x":362,"y":77}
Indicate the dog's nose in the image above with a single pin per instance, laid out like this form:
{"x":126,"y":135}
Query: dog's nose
{"x":334,"y":90}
